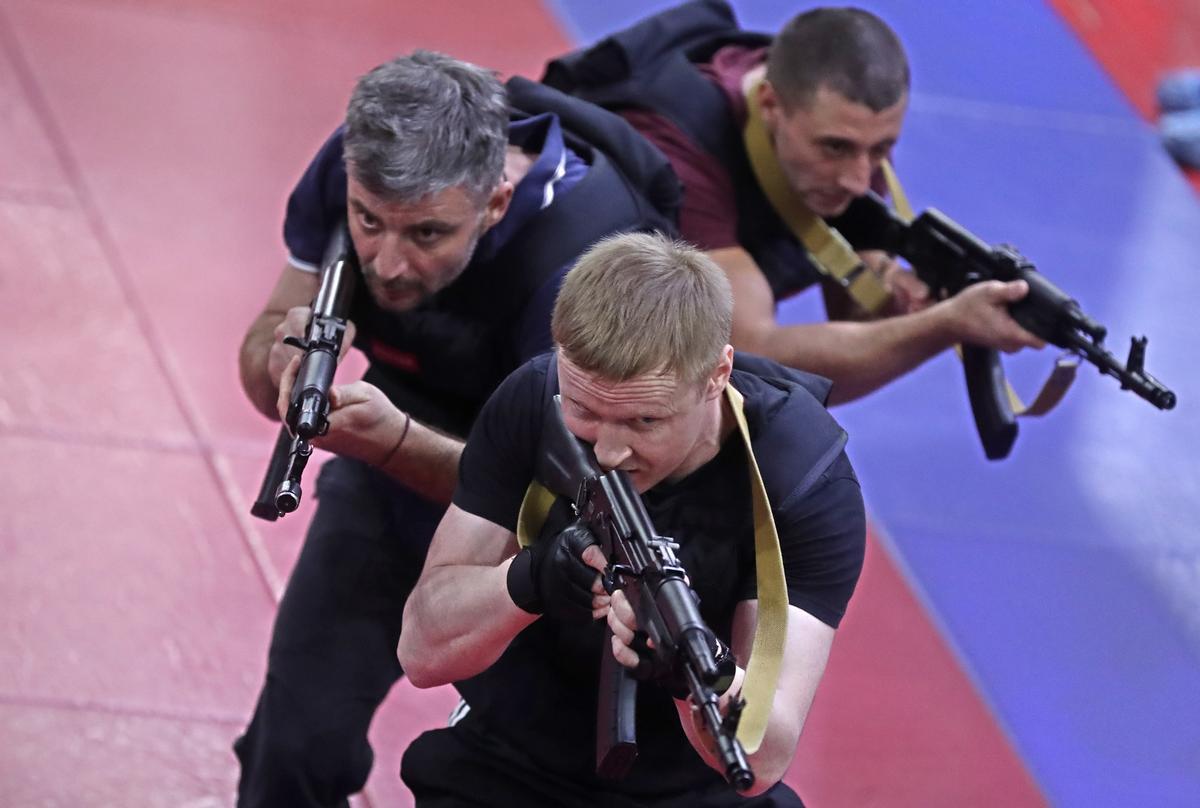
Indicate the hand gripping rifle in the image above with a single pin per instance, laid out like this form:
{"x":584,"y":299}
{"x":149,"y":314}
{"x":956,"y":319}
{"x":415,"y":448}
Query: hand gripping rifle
{"x":308,"y":409}
{"x":948,"y":258}
{"x":644,"y":565}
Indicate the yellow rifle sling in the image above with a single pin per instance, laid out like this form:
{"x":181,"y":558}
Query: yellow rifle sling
{"x":831,"y":253}
{"x":770,"y":630}
{"x":534,"y":509}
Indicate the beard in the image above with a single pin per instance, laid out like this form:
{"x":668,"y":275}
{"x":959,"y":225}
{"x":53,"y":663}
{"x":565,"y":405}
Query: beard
{"x":398,"y":295}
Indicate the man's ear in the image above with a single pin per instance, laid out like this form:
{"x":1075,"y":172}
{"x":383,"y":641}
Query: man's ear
{"x":497,"y":204}
{"x":715,"y":385}
{"x":768,"y":104}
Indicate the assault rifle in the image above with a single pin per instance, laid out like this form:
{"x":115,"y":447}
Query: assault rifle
{"x":948,"y":258}
{"x":644,"y":565}
{"x":308,"y":408}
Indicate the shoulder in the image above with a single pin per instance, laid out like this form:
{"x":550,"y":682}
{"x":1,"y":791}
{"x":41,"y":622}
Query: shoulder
{"x":499,"y":457}
{"x":326,"y":173}
{"x":775,"y":383}
{"x":317,"y":201}
{"x":517,"y":405}
{"x":532,"y":382}
{"x":794,"y":438}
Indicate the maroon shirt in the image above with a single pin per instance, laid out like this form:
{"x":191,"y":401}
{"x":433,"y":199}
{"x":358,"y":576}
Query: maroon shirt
{"x":708,"y":215}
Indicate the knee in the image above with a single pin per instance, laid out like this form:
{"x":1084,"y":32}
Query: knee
{"x":288,"y":763}
{"x":338,"y":761}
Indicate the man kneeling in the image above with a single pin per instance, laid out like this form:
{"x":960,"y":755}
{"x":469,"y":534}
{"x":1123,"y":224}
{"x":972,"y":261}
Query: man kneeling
{"x":647,"y":378}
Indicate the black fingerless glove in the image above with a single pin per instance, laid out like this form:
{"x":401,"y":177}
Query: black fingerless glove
{"x":549,"y":577}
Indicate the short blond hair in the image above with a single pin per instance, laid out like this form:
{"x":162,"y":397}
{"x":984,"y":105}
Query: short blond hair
{"x":640,"y":303}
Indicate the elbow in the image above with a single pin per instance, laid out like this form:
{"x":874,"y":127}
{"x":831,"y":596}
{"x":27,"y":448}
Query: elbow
{"x":773,"y":759}
{"x":421,"y":679}
{"x":845,"y":392}
{"x":421,"y":676}
{"x":765,"y":778}
{"x":428,"y":664}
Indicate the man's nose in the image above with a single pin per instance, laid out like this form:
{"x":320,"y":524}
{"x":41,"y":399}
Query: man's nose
{"x":390,"y":261}
{"x":855,"y":177}
{"x":611,"y":449}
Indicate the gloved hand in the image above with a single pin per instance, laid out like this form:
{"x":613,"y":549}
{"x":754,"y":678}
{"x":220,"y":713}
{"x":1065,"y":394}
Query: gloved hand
{"x":632,"y":649}
{"x":550,"y":577}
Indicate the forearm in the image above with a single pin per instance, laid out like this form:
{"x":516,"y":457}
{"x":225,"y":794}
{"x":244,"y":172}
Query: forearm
{"x":425,"y":461}
{"x":774,"y":755}
{"x":457,"y":622}
{"x":859,"y":357}
{"x":252,"y":366}
{"x":693,"y":725}
{"x":365,"y":425}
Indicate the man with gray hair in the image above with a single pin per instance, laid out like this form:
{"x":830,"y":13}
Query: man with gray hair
{"x":644,"y":374}
{"x":773,"y":137}
{"x":464,"y":211}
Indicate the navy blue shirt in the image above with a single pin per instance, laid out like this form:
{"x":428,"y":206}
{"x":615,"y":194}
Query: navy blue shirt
{"x":440,"y":361}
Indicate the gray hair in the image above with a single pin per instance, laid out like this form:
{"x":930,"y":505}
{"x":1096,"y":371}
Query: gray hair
{"x":423,"y":123}
{"x":848,"y":50}
{"x":641,"y":303}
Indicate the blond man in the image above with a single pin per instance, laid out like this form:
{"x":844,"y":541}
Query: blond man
{"x":642,"y":367}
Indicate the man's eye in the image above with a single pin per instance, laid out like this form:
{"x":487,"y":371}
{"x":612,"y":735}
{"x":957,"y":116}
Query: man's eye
{"x":368,"y":221}
{"x":428,"y":235}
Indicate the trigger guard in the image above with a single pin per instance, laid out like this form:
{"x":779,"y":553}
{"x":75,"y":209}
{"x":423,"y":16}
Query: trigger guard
{"x":608,"y":579}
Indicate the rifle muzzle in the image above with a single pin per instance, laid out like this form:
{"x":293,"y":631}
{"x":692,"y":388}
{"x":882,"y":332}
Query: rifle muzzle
{"x":287,"y":496}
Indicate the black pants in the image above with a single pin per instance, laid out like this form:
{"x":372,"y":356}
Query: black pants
{"x":333,"y":649}
{"x":465,"y":766}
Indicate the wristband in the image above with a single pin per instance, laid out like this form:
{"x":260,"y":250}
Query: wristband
{"x":521,"y":587}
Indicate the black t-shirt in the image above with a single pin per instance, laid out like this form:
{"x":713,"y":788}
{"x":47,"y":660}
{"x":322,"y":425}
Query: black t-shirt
{"x":541,"y":694}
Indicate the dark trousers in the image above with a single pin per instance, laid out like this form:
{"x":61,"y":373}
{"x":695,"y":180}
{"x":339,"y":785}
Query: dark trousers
{"x":465,"y":766}
{"x":333,"y":650}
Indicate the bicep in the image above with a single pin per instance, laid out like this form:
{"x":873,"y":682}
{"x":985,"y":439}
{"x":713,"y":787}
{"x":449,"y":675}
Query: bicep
{"x":295,"y":287}
{"x":464,"y":539}
{"x":805,"y":653}
{"x":806,"y":650}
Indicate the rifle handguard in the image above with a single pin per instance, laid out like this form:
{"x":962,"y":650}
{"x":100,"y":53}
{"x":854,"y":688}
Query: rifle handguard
{"x":674,"y":681}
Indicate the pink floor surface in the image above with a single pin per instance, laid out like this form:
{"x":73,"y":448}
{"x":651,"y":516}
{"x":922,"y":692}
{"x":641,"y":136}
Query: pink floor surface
{"x":148,"y":150}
